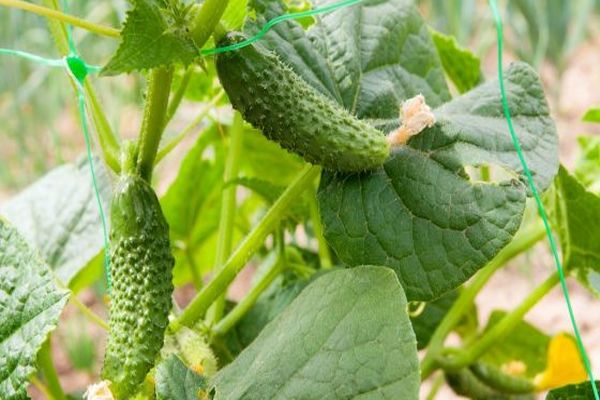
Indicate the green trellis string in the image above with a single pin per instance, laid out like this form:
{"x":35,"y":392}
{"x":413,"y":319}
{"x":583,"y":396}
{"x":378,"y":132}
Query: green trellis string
{"x":538,"y":200}
{"x":78,"y":70}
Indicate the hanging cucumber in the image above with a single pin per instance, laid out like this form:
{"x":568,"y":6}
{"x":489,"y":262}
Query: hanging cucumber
{"x":496,"y":379}
{"x":141,"y":271}
{"x":465,"y":383}
{"x":290,"y":112}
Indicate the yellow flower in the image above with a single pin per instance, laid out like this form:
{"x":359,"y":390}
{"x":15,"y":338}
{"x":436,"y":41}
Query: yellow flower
{"x":563,"y":365}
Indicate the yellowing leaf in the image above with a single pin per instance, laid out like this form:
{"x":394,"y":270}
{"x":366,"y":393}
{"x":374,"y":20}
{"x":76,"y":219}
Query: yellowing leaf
{"x":564,"y":365}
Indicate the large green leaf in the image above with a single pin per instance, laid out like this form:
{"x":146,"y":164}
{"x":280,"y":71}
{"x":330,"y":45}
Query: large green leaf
{"x":581,"y":391}
{"x":59,"y":215}
{"x":368,"y":57}
{"x":154,"y":34}
{"x":30,"y":304}
{"x":574,"y":208}
{"x":175,"y":381}
{"x":191,"y":204}
{"x":346,"y":336}
{"x":421,"y":214}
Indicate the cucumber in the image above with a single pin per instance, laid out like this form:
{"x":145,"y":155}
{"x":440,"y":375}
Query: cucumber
{"x":465,"y":383}
{"x":496,"y":379}
{"x":141,"y":269}
{"x":274,"y":99}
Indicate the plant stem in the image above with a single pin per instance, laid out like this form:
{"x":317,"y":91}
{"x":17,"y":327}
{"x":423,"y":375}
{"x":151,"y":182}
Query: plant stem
{"x":40,"y":386}
{"x":178,"y":95}
{"x":207,"y":19}
{"x":89,"y":314}
{"x":228,"y":202}
{"x":198,"y":306}
{"x":501,"y":329}
{"x":46,"y":366}
{"x":166,"y":149}
{"x":153,"y":124}
{"x":108,"y":140}
{"x":524,"y":240}
{"x":59,"y":16}
{"x":324,"y":254}
{"x":251,"y":297}
{"x":435,"y":387}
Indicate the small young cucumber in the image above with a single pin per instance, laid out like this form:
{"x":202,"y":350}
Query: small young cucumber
{"x":288,"y":111}
{"x":496,"y":379}
{"x":465,"y":383}
{"x":141,"y":270}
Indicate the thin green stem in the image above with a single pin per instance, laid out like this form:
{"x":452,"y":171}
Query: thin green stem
{"x":232,"y":318}
{"x":153,"y":123}
{"x":501,"y":329}
{"x":324,"y":254}
{"x":88,"y":313}
{"x":178,"y":95}
{"x":46,"y":366}
{"x":228,"y":203}
{"x":108,"y":141}
{"x":171,"y":144}
{"x":524,"y":240}
{"x":40,"y":386}
{"x":62,"y":17}
{"x":436,"y":386}
{"x":198,"y":306}
{"x":107,"y":138}
{"x":206,"y":20}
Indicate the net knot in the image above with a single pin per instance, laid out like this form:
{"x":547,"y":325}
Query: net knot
{"x":78,"y":67}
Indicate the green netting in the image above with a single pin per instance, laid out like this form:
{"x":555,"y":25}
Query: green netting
{"x":538,"y":200}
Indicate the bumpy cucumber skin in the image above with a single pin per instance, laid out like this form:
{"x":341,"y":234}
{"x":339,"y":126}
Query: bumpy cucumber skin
{"x":288,"y":111}
{"x":141,"y":272}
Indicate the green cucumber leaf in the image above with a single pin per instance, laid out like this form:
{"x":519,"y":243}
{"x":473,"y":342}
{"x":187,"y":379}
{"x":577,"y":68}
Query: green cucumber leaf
{"x":526,"y":344}
{"x":30,"y":305}
{"x":426,"y":323}
{"x":587,"y":170}
{"x":234,"y":15}
{"x":154,"y":35}
{"x":574,"y":208}
{"x":270,"y":192}
{"x":268,"y":306}
{"x":59,"y":215}
{"x":263,"y":157}
{"x":592,"y":115}
{"x":462,"y":67}
{"x":192,"y":202}
{"x":368,"y":57}
{"x":175,"y":381}
{"x":420,"y":214}
{"x":580,"y":391}
{"x":346,"y":335}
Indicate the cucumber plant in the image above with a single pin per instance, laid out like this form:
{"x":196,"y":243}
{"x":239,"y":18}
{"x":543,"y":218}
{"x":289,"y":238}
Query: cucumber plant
{"x":373,"y":205}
